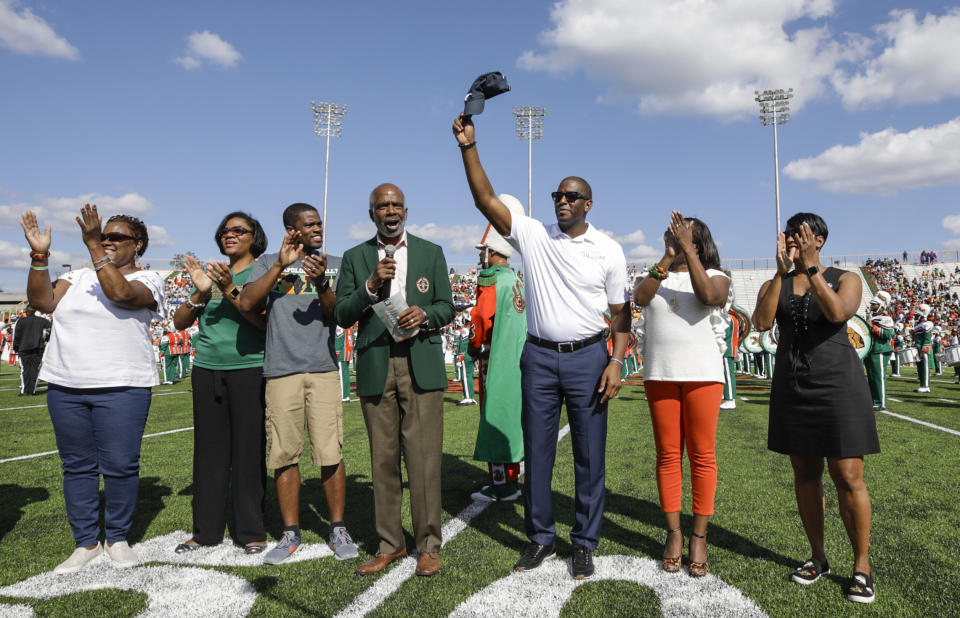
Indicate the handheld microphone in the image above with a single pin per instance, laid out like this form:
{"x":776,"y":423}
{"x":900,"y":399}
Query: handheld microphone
{"x":389,"y":250}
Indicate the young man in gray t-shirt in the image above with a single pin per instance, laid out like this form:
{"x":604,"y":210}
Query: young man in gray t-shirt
{"x":300,"y":366}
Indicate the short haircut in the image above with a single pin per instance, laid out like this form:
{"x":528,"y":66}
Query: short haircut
{"x":259,"y":237}
{"x":817,"y":225}
{"x":137,"y":227}
{"x":292,"y":213}
{"x":706,"y":248}
{"x":586,"y":185}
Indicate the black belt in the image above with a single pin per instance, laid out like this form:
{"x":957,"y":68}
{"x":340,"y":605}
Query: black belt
{"x":564,"y":346}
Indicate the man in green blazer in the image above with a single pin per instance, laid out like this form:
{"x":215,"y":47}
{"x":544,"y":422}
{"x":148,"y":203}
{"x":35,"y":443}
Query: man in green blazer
{"x":400,"y":383}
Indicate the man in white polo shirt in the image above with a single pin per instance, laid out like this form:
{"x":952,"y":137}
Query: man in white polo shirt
{"x":573,"y":273}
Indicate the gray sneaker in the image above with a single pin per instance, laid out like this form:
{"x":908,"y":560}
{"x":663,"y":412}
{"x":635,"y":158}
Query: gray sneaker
{"x":342,"y":545}
{"x":288,"y":544}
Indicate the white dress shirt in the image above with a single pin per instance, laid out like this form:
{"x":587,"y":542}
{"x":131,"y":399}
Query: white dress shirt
{"x":568,"y":282}
{"x":398,"y":284}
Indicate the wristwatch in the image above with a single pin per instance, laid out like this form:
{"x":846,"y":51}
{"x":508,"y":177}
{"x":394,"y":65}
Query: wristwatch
{"x":813,"y":270}
{"x":234,"y":293}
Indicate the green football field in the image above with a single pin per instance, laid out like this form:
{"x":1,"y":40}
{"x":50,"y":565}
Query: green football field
{"x":755,"y":539}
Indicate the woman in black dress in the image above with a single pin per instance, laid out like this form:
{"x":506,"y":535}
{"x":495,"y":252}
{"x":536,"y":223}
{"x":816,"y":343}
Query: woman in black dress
{"x":820,"y":405}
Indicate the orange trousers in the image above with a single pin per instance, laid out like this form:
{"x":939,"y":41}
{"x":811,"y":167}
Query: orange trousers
{"x":685,"y":414}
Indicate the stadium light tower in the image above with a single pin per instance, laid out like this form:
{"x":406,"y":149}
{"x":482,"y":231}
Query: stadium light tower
{"x":774,"y":110}
{"x":327,"y":122}
{"x":529,"y":127}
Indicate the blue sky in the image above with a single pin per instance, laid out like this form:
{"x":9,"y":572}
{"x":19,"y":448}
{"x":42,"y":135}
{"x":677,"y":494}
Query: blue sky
{"x":180,"y":112}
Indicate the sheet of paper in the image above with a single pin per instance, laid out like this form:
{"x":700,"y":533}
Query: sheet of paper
{"x":388,"y":310}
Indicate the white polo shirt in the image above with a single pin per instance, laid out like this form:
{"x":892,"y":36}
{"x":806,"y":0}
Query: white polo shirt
{"x":568,"y":282}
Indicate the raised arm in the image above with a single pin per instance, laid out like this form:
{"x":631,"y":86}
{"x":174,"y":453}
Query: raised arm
{"x":127,"y":294}
{"x":838,"y":305}
{"x":254,"y":294}
{"x":40,"y":292}
{"x":711,"y":291}
{"x":483,"y":195}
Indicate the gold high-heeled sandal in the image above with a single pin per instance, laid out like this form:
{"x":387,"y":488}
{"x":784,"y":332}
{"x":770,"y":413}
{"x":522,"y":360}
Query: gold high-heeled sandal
{"x":698,"y":569}
{"x":672,"y":565}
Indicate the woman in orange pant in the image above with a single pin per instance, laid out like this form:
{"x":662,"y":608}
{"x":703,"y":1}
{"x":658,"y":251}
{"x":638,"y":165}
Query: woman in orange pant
{"x":683,"y":296}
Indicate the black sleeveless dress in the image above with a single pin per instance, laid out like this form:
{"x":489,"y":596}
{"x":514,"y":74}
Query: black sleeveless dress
{"x":820,"y":402}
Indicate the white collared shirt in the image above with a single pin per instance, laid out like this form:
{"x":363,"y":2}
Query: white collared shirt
{"x":568,"y":282}
{"x":399,"y":282}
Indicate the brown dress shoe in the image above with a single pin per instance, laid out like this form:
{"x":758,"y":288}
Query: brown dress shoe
{"x":379,"y":562}
{"x":428,"y":564}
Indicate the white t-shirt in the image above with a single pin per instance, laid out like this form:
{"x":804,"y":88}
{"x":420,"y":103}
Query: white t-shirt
{"x":568,"y":282}
{"x":680,"y":344}
{"x":95,"y":343}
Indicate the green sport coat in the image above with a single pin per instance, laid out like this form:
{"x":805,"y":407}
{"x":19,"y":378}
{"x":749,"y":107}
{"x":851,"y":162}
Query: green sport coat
{"x":428,"y":287}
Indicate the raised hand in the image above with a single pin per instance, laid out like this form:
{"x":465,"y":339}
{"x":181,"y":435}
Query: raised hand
{"x":221,"y":274}
{"x":682,"y":231}
{"x":784,"y":256}
{"x":809,"y":253}
{"x":38,"y":241}
{"x":90,"y":223}
{"x":291,"y":249}
{"x":464,"y":130}
{"x":197,"y":275}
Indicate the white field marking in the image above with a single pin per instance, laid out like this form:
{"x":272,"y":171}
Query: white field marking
{"x":171,"y":590}
{"x":149,"y":435}
{"x":372,"y":597}
{"x":155,"y":394}
{"x":892,"y":399}
{"x":919,"y":422}
{"x":544,"y":591}
{"x":744,"y":398}
{"x":947,"y":400}
{"x":16,"y":611}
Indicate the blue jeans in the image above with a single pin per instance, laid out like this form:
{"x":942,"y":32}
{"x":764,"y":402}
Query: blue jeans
{"x":98,"y":432}
{"x":548,"y":380}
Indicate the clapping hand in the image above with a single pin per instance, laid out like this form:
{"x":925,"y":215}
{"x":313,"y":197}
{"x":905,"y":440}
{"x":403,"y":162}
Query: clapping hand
{"x":315,"y":266}
{"x":90,"y":223}
{"x":808,"y":250}
{"x":39,"y":241}
{"x":291,"y":249}
{"x":785,"y":256}
{"x":221,"y":274}
{"x":200,"y":279}
{"x":682,"y":232}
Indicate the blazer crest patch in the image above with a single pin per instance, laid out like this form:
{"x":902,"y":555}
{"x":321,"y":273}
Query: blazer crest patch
{"x":423,"y":285}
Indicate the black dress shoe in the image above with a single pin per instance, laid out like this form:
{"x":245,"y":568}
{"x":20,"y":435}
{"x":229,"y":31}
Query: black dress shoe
{"x":582,"y":562}
{"x":533,"y":555}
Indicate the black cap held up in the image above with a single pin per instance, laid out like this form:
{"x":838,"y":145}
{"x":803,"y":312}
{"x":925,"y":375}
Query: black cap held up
{"x":484,"y":87}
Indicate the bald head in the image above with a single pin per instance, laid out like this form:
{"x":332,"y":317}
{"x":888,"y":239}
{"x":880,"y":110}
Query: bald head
{"x":380,"y":191}
{"x":388,"y":210}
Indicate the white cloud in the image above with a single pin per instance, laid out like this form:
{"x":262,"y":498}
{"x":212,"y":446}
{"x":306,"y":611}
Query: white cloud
{"x":159,"y":236}
{"x":459,"y":238}
{"x":210,"y":48}
{"x":645,"y":253}
{"x":633,"y":246}
{"x":18,"y":256}
{"x":26,"y":33}
{"x":362,"y":230}
{"x":918,"y":65}
{"x":60,"y":213}
{"x":887,"y":162}
{"x":692,"y":56}
{"x":951,"y":223}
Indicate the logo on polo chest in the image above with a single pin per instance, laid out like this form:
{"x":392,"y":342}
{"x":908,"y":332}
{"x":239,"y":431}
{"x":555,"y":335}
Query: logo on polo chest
{"x":423,"y":285}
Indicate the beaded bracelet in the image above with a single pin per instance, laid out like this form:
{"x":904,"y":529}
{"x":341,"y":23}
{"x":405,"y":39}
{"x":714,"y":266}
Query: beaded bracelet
{"x":102,"y":266}
{"x":32,"y":267}
{"x":39,"y":256}
{"x":658,"y":273}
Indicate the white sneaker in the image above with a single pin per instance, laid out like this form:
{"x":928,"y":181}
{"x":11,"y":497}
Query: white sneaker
{"x":728,"y":404}
{"x":78,"y":559}
{"x":121,"y":554}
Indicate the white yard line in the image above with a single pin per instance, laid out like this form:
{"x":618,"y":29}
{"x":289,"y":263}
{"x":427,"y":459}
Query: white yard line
{"x":149,"y":435}
{"x":948,"y":400}
{"x":742,"y":398}
{"x":892,"y":399}
{"x":919,"y":422}
{"x":376,"y":594}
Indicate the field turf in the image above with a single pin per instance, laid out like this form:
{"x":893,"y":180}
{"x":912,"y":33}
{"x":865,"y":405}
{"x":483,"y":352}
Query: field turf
{"x":755,"y":539}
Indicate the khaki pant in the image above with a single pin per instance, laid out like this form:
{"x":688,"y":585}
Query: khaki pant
{"x":311,"y":398}
{"x":405,"y":418}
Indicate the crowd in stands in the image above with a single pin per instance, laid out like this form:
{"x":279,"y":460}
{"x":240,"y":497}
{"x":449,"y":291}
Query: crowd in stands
{"x":935,"y":286}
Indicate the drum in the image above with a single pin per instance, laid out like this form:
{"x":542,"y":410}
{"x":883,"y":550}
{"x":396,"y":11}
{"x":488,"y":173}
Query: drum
{"x":743,"y":321}
{"x":908,"y":356}
{"x":951,"y":356}
{"x":858,"y":332}
{"x":769,"y":339}
{"x":752,"y":342}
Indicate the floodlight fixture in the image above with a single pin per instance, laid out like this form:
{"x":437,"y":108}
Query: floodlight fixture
{"x":775,"y":110}
{"x":327,"y":122}
{"x":529,"y":127}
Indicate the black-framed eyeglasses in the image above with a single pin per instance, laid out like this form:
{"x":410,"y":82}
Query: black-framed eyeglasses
{"x":116,"y":237}
{"x":572,"y":196}
{"x":236,"y":231}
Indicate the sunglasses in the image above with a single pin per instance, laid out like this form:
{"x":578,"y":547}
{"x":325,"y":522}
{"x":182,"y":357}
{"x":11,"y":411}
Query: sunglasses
{"x":572,"y":196}
{"x":236,"y":231}
{"x":116,"y":237}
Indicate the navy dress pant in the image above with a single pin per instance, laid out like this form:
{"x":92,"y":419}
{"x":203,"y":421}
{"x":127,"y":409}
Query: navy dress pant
{"x":550,"y":379}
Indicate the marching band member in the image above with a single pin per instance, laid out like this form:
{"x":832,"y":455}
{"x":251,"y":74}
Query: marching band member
{"x":922,"y":340}
{"x":881,"y":327}
{"x":499,"y":332}
{"x":897,"y":345}
{"x":937,"y":349}
{"x":466,"y":365}
{"x":344,"y":348}
{"x":732,"y":337}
